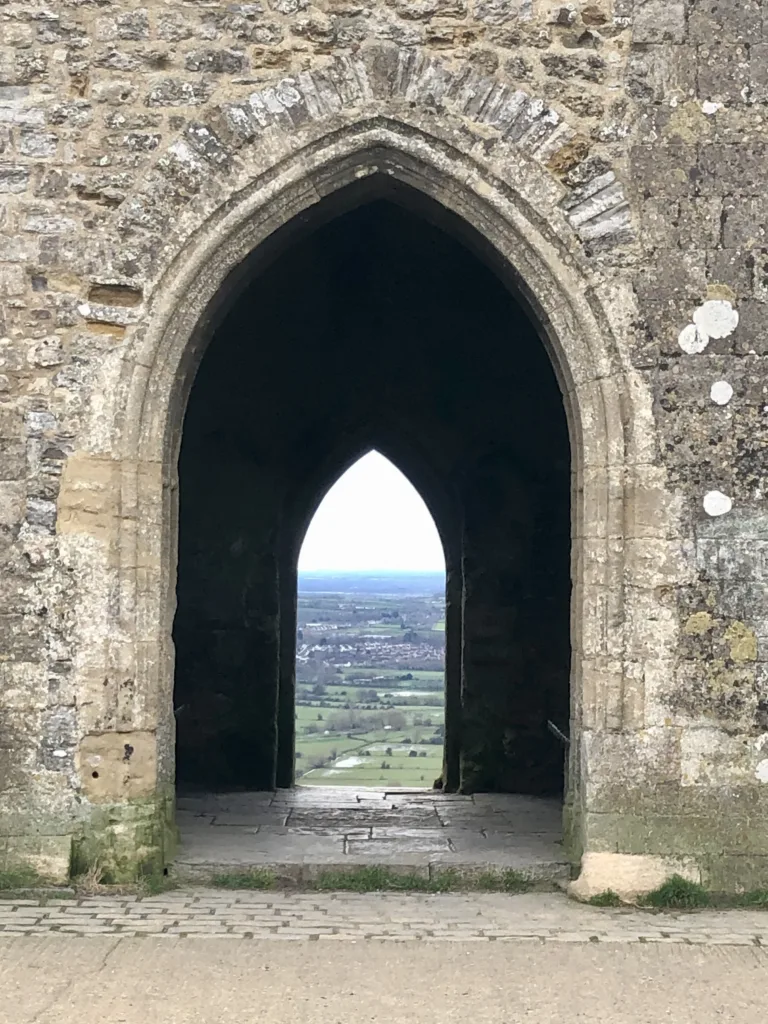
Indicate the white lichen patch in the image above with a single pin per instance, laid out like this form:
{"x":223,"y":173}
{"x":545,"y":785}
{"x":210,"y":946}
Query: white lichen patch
{"x":761,"y":772}
{"x":692,"y":340}
{"x":721,"y":392}
{"x":716,"y":318}
{"x":717,"y":504}
{"x":709,"y":107}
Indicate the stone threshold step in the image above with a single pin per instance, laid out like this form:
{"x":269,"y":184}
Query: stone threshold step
{"x":543,"y":874}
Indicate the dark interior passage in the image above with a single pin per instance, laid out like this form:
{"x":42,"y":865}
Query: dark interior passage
{"x":381,"y":326}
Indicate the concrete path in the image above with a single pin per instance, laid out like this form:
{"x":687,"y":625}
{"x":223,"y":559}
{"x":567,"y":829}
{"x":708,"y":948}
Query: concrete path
{"x":303,"y":831}
{"x":59,"y":979}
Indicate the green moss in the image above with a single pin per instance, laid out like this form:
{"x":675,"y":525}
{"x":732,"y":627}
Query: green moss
{"x":605,"y":899}
{"x":253,"y":878}
{"x":677,"y":893}
{"x":126,"y":842}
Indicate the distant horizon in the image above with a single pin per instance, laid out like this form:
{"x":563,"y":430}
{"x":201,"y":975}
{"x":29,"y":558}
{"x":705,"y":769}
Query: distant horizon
{"x":371,"y":572}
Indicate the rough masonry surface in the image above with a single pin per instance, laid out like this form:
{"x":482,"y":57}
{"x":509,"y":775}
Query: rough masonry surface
{"x":613,"y":152}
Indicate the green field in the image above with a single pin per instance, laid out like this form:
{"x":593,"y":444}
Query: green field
{"x":366,"y":767}
{"x":370,"y":754}
{"x":370,"y":684}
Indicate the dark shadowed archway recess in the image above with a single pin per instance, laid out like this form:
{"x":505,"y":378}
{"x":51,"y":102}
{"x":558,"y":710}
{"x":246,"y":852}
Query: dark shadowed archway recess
{"x":380,"y":321}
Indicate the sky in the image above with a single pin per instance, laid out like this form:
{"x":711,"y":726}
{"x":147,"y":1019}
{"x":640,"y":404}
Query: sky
{"x":372,"y":519}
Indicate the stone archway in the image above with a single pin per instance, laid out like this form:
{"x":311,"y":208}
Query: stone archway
{"x":118,"y":492}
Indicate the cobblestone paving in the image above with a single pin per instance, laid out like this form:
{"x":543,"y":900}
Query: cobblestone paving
{"x":382,"y":916}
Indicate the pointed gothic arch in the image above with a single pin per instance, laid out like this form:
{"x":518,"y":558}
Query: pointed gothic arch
{"x":403,"y":454}
{"x":121,"y":483}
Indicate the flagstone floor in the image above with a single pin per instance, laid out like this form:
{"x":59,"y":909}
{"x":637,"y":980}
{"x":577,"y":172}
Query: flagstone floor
{"x":303,"y":831}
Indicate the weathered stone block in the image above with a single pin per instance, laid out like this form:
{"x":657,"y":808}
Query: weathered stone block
{"x":133,"y":26}
{"x":628,"y":876}
{"x":745,"y":222}
{"x":13,"y":280}
{"x":716,"y":22}
{"x":174,"y":92}
{"x":664,"y":170}
{"x":727,"y":168}
{"x":218,"y":62}
{"x":47,"y":857}
{"x":658,"y":21}
{"x":724,"y":73}
{"x":117,"y":766}
{"x":14,"y":179}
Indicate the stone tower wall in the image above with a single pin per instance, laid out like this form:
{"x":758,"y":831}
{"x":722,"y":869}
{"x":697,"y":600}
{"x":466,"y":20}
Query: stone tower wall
{"x":614,"y":150}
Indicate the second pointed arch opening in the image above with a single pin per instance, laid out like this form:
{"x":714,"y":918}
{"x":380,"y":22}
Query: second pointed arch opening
{"x":370,"y":651}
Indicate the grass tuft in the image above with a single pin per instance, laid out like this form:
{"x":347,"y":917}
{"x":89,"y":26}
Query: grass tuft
{"x":383,"y":879}
{"x":677,"y":893}
{"x":90,"y":882}
{"x":756,"y":899}
{"x":501,"y":881}
{"x":449,"y":880}
{"x":19,"y":879}
{"x":155,"y":884}
{"x":369,"y":879}
{"x":253,"y":878}
{"x":606,"y":899}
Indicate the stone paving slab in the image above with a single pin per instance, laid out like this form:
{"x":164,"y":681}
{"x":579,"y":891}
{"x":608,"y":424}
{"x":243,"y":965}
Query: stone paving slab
{"x":419,"y":830}
{"x":539,"y":917}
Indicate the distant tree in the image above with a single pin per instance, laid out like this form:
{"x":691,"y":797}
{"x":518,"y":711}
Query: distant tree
{"x":311,"y":729}
{"x":395,"y":719}
{"x":413,"y":753}
{"x":319,"y":717}
{"x":422,"y":753}
{"x":388,"y":751}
